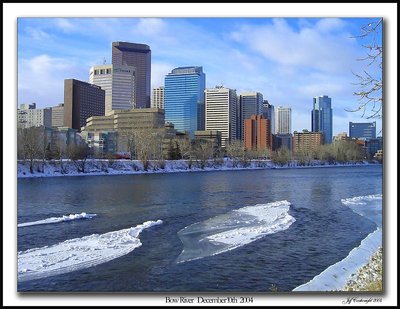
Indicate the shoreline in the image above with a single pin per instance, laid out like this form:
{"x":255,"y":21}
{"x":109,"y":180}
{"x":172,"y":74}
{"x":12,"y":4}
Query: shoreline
{"x":339,"y":275}
{"x":135,"y":167}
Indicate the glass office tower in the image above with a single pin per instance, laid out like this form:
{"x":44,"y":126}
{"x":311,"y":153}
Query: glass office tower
{"x":184,"y":98}
{"x":321,"y":117}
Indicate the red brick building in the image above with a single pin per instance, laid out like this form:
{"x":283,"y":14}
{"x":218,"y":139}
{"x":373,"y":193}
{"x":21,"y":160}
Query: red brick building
{"x":257,"y":133}
{"x":307,"y":140}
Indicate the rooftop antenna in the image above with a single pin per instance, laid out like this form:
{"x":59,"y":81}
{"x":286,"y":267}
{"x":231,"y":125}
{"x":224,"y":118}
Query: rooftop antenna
{"x":104,"y":60}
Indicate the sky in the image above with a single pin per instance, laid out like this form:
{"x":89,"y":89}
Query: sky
{"x":288,"y":60}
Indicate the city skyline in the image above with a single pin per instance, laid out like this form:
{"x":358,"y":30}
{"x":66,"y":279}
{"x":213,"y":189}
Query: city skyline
{"x":305,"y":57}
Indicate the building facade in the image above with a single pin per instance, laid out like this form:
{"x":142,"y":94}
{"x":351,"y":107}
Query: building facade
{"x":120,"y":120}
{"x":250,"y":104}
{"x":118,"y":82}
{"x":282,"y":141}
{"x":137,"y":56}
{"x":184,"y":98}
{"x":30,"y":116}
{"x":221,"y":112}
{"x":307,"y":141}
{"x":283,"y":120}
{"x":157,"y":99}
{"x":57,"y":116}
{"x":362,"y":130}
{"x":268,"y":112}
{"x":81,"y":101}
{"x":257,"y":133}
{"x":321,"y":117}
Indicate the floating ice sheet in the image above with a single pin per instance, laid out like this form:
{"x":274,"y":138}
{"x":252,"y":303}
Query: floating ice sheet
{"x":233,"y":229}
{"x":79,"y":253}
{"x":70,"y":217}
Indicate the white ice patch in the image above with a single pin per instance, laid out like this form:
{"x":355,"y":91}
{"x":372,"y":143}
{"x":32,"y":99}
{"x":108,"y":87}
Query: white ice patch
{"x":79,"y":253}
{"x":336,"y":276}
{"x":233,"y":229}
{"x":70,"y":217}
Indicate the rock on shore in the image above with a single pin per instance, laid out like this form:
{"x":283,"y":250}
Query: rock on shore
{"x":368,"y":277}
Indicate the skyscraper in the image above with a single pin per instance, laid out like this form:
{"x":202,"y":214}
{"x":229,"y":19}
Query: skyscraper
{"x":138,"y":56}
{"x":221,"y":112}
{"x":268,"y":112}
{"x":283,"y":120}
{"x":184,"y":98}
{"x":81,"y":100}
{"x":118,"y":82}
{"x":366,"y":130}
{"x":157,"y":100}
{"x":321,"y":117}
{"x":250,"y":104}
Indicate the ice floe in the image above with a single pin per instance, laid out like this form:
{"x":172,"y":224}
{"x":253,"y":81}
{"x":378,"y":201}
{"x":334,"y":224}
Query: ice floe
{"x":233,"y":229}
{"x":79,"y":253}
{"x":70,"y":217}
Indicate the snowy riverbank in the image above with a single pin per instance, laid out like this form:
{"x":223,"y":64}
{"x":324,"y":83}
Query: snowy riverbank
{"x":127,"y":167}
{"x":361,"y":266}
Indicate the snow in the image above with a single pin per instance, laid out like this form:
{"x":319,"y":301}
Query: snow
{"x":70,"y":217}
{"x":128,"y":167}
{"x":336,"y":276}
{"x":234,"y":229}
{"x":79,"y":253}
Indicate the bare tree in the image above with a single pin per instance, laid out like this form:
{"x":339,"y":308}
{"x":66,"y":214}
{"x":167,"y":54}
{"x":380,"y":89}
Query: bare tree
{"x":203,"y":151}
{"x":148,"y":145}
{"x":370,"y":80}
{"x":29,"y":145}
{"x":282,"y":156}
{"x":186,"y":150}
{"x":59,"y":150}
{"x":79,"y":154}
{"x":236,"y":151}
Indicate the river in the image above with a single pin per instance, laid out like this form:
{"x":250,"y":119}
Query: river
{"x":225,"y":231}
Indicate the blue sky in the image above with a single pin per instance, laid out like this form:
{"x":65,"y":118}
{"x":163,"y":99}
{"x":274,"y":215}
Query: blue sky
{"x":288,"y":60}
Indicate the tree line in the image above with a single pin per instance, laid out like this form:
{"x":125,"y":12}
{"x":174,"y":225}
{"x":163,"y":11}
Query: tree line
{"x":152,"y":149}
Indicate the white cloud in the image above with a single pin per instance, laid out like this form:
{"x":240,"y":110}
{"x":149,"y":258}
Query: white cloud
{"x":64,"y":24}
{"x":41,"y":79}
{"x":150,"y":26}
{"x":158,"y":72}
{"x":37,"y":34}
{"x":310,"y":47}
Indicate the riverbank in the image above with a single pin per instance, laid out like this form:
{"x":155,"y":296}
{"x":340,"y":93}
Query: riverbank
{"x":94,"y":167}
{"x":368,"y":278}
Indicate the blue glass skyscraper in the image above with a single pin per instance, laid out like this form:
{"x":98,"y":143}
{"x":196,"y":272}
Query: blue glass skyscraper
{"x":184,"y":98}
{"x":321,"y":117}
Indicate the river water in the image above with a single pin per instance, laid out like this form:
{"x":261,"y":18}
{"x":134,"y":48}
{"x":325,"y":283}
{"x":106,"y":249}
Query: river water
{"x":225,"y":231}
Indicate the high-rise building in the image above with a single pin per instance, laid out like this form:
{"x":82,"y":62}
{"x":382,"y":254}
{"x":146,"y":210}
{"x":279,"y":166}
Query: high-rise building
{"x":321,"y":117}
{"x":30,"y":116}
{"x":184,"y":98}
{"x":365,"y":130}
{"x":221,"y":112}
{"x":306,"y":140}
{"x":118,"y":82}
{"x":257,"y":133}
{"x":283,"y":120}
{"x":268,"y":112}
{"x":157,"y":99}
{"x":57,"y":116}
{"x":250,"y":104}
{"x":138,"y":56}
{"x":81,"y":101}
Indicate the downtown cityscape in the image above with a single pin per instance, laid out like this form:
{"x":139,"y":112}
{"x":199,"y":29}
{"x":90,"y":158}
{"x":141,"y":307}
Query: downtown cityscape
{"x":199,"y":155}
